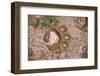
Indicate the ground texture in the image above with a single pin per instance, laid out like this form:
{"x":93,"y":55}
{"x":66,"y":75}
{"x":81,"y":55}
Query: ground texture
{"x":74,"y":46}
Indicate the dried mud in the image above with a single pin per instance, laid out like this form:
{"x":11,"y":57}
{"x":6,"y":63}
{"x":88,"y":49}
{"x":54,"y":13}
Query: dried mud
{"x":77,"y":44}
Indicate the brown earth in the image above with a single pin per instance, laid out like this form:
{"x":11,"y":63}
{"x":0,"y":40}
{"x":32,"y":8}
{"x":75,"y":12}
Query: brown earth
{"x":77,"y":43}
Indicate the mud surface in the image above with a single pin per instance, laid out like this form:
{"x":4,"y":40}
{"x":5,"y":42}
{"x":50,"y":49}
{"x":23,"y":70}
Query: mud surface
{"x":77,"y":44}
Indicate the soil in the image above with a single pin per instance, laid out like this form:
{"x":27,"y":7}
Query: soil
{"x":75,"y":46}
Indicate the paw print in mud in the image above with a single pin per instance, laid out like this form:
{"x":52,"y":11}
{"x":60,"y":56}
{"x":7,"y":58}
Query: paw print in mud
{"x":56,"y":39}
